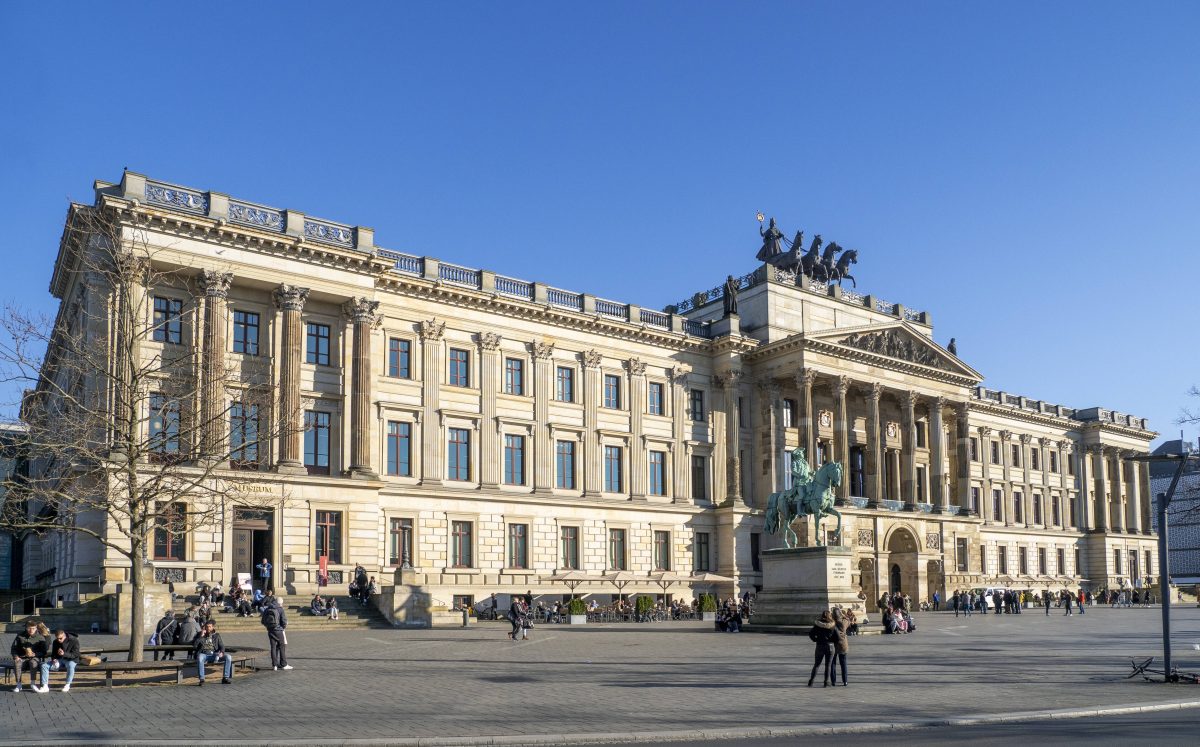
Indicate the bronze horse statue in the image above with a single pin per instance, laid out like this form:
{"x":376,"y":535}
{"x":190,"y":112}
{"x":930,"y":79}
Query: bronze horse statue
{"x":812,"y":257}
{"x":811,"y":494}
{"x":841,"y":271}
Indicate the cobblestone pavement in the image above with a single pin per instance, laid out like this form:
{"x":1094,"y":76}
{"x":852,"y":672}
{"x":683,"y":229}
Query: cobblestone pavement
{"x":624,"y":680}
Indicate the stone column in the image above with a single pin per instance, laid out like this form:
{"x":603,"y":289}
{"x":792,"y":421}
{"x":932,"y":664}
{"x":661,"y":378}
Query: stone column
{"x":806,"y":419}
{"x":363,"y":312}
{"x":290,"y":301}
{"x":1065,"y":486}
{"x":491,"y":450}
{"x":985,"y":492}
{"x":1006,"y":509}
{"x":1086,"y":503}
{"x":841,"y":437}
{"x":1134,"y":523}
{"x":962,"y":433}
{"x":1100,"y":475}
{"x":1147,"y":500}
{"x":433,"y":447}
{"x":874,"y":465}
{"x":908,"y":443}
{"x":895,"y":489}
{"x":543,"y":391}
{"x":638,"y":450}
{"x":681,"y":455}
{"x":938,"y":494}
{"x":730,"y":382}
{"x":1042,"y":446}
{"x":1027,"y":489}
{"x":213,"y":429}
{"x":772,"y":410}
{"x":593,"y":461}
{"x":1116,"y":501}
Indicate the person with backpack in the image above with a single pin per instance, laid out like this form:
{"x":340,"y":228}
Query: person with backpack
{"x":274,"y":619}
{"x":824,"y":635}
{"x":164,"y":634}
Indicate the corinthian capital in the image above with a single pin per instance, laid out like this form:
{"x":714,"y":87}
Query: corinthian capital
{"x":729,"y":380}
{"x":542,"y":349}
{"x":489,"y":341}
{"x":592,"y":358}
{"x":216,"y":284}
{"x":431,"y":329}
{"x":635,"y":366}
{"x":361,"y":309}
{"x":290,"y":297}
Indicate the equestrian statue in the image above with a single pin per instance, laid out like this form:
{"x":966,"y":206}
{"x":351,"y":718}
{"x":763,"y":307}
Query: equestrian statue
{"x":811,"y":494}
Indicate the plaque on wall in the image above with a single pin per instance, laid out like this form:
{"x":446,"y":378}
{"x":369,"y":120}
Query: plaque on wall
{"x":892,"y":430}
{"x":826,"y":419}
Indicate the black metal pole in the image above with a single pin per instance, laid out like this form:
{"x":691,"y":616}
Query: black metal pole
{"x":1164,"y":583}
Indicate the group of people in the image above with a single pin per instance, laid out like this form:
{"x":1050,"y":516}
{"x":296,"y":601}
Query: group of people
{"x":38,"y":650}
{"x":1127,"y":598}
{"x":363,"y":587}
{"x":831,"y":634}
{"x":322,"y":608}
{"x":520,"y":618}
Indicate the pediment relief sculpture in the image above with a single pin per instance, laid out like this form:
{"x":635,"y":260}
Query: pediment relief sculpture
{"x":896,"y":344}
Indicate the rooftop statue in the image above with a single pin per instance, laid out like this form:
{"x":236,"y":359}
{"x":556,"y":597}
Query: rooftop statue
{"x":811,"y":494}
{"x":729,"y":297}
{"x":772,"y":245}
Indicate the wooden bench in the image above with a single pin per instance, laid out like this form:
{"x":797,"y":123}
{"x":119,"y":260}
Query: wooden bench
{"x":243,"y":658}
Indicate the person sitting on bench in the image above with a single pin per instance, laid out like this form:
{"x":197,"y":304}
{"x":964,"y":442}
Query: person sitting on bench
{"x":28,"y":649}
{"x":64,"y":653}
{"x":209,"y":649}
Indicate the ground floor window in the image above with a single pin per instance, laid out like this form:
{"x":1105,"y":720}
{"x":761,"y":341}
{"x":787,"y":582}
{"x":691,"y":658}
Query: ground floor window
{"x":400,"y":535}
{"x":570,"y":548}
{"x":170,"y":526}
{"x":960,"y":553}
{"x":662,"y":551}
{"x":700,"y":552}
{"x":616,"y":549}
{"x":329,"y":536}
{"x":461,"y":544}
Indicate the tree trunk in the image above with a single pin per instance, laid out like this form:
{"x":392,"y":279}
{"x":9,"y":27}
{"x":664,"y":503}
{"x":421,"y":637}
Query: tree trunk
{"x":137,"y":616}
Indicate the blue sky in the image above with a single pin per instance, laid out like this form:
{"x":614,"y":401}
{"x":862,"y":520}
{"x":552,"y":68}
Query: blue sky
{"x":1027,"y":172}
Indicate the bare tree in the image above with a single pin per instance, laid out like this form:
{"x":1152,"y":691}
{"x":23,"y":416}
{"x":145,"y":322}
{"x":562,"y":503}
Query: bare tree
{"x":133,"y":437}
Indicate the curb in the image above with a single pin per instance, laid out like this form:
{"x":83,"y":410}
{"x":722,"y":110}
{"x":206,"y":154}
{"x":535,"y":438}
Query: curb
{"x":818,"y":729}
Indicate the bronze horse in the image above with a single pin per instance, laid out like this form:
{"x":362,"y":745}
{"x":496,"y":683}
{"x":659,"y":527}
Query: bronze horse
{"x":841,"y":271}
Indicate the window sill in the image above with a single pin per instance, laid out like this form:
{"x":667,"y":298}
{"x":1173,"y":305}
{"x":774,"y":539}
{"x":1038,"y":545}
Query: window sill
{"x":462,"y":571}
{"x":517,"y":571}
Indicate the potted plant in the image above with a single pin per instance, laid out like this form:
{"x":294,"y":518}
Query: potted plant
{"x":643,"y":606}
{"x":577,"y":611}
{"x":708,"y":608}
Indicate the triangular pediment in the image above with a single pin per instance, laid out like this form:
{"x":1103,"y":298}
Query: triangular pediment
{"x":895,"y":342}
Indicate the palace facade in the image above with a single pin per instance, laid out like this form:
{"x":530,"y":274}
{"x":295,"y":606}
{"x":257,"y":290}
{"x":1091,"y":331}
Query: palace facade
{"x":468,"y":432}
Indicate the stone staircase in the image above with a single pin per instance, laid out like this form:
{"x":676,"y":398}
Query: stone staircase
{"x":350,"y":615}
{"x":75,"y":616}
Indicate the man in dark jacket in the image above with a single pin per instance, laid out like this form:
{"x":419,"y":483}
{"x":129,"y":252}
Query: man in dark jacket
{"x":274,"y":619}
{"x":28,"y":649}
{"x":64,"y":653}
{"x":164,"y":633}
{"x":824,"y":635}
{"x":208,"y":649}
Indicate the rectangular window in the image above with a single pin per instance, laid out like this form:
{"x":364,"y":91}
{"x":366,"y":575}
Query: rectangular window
{"x":514,"y":461}
{"x":1070,"y":467}
{"x":1018,"y":500}
{"x":755,"y":559}
{"x":1071,"y":511}
{"x":399,"y":448}
{"x":317,"y":350}
{"x":245,"y":332}
{"x":616,"y":549}
{"x":974,"y":449}
{"x":1061,"y":556}
{"x":789,"y":413}
{"x":316,"y":442}
{"x":1134,"y":571}
{"x":741,"y":412}
{"x":700,"y":552}
{"x":974,"y":500}
{"x":1016,"y":455}
{"x":1078,"y":562}
{"x":960,"y":554}
{"x":243,"y":435}
{"x":1002,"y":559}
{"x":1035,"y":458}
{"x":654,"y":398}
{"x":921,"y":498}
{"x":168,"y":320}
{"x":1022,"y":561}
{"x":564,"y":384}
{"x":170,"y":526}
{"x":699,"y":478}
{"x":460,"y":368}
{"x":462,"y":544}
{"x":983,"y":560}
{"x":921,"y":434}
{"x":658,"y":473}
{"x":1056,"y":510}
{"x":1149,"y":570}
{"x":514,"y":376}
{"x":696,"y":405}
{"x":458,"y":454}
{"x":400,"y":543}
{"x":612,"y":391}
{"x":995,"y":452}
{"x":1054,"y":462}
{"x":1042,"y":562}
{"x":1117,"y":561}
{"x":564,"y":465}
{"x":164,"y":425}
{"x":997,"y":500}
{"x":329,"y":536}
{"x":662,"y":551}
{"x":570,"y":548}
{"x":399,"y":358}
{"x":1037,"y":509}
{"x":858,"y":471}
{"x":612,"y":469}
{"x":518,"y":545}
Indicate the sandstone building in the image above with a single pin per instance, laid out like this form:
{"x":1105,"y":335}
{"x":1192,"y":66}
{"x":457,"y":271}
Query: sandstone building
{"x":483,"y":432}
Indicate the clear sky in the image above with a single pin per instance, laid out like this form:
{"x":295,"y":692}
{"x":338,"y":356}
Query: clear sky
{"x":1027,"y":172}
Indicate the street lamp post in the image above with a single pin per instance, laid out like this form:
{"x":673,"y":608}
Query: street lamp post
{"x":1163,"y":501}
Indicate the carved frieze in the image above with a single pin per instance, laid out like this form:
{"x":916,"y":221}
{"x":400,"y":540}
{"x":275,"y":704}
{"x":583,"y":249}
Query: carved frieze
{"x":933,"y":541}
{"x":866,"y":537}
{"x":895,"y":343}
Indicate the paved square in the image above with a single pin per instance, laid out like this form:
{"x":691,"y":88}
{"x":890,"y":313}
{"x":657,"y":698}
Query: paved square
{"x":625,"y":680}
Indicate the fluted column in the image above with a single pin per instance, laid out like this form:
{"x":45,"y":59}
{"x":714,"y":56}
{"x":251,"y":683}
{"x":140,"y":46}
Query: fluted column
{"x":1006,"y":505}
{"x":962,"y":457}
{"x":543,"y":390}
{"x":363,"y":313}
{"x":874,"y":457}
{"x":1100,"y":480}
{"x":491,"y":454}
{"x":1065,"y":486}
{"x":841,"y":437}
{"x":938,"y":495}
{"x":985,"y":492}
{"x":772,"y":409}
{"x":1027,"y":489}
{"x":681,"y":457}
{"x":730,"y":382}
{"x":1134,"y":523}
{"x":1086,"y":501}
{"x":806,"y":419}
{"x":1147,"y":502}
{"x":1116,"y":489}
{"x":908,"y":446}
{"x":290,"y":300}
{"x":592,"y":459}
{"x":213,"y":445}
{"x":639,"y":456}
{"x":433,"y":447}
{"x":1043,"y":447}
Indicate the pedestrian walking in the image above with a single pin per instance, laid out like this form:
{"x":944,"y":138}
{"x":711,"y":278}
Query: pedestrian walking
{"x":823,"y":635}
{"x":937,"y":602}
{"x":264,"y":574}
{"x":841,"y":647}
{"x":274,"y":619}
{"x":1046,"y":601}
{"x":514,"y":616}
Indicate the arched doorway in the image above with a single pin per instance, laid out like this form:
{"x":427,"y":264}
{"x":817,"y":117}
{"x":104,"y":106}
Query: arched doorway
{"x":902,"y":563}
{"x":866,"y":575}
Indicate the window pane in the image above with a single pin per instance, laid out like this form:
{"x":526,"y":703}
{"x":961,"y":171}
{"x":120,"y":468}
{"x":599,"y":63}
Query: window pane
{"x":612,"y":469}
{"x":662,"y":551}
{"x":658,"y":473}
{"x":570,"y":548}
{"x":461,"y":544}
{"x":317,"y":350}
{"x":518,"y":546}
{"x":514,"y":376}
{"x":458,"y":457}
{"x":564,"y":384}
{"x":696,"y":405}
{"x":329,"y":535}
{"x":655,"y":405}
{"x":398,"y":358}
{"x":243,"y":434}
{"x":564,"y":457}
{"x":514,"y":460}
{"x":612,"y":391}
{"x":616,"y":549}
{"x":399,"y":448}
{"x":245,"y":332}
{"x":316,"y":442}
{"x":459,"y":368}
{"x":699,"y":478}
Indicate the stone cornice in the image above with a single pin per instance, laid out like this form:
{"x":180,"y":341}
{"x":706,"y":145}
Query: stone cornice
{"x":1055,"y":421}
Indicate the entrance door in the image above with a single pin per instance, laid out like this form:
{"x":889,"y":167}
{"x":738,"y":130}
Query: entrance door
{"x":253,"y":540}
{"x":894,"y":579}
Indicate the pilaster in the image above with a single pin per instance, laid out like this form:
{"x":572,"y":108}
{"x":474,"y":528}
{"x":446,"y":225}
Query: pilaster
{"x":1100,"y":479}
{"x":1116,"y":497}
{"x":908,"y":444}
{"x":543,"y":388}
{"x":491,"y":454}
{"x":290,"y":300}
{"x":363,"y":313}
{"x":213,"y":429}
{"x":433,"y":448}
{"x":939,"y":496}
{"x":841,"y":437}
{"x":592,"y":461}
{"x":962,"y":433}
{"x":874,"y":456}
{"x":638,"y":451}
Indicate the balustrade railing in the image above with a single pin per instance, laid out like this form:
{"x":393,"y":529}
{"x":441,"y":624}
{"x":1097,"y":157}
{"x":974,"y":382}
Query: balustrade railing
{"x":612,"y":309}
{"x":655,"y":319}
{"x":515,"y":288}
{"x":699,"y":329}
{"x":565,"y":299}
{"x":406,"y":263}
{"x":458,"y":275}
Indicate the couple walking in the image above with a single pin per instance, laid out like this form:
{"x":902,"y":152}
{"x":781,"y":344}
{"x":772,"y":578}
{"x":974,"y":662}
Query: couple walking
{"x":829,"y":635}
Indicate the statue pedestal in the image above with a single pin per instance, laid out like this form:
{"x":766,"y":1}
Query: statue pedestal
{"x":802,"y":582}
